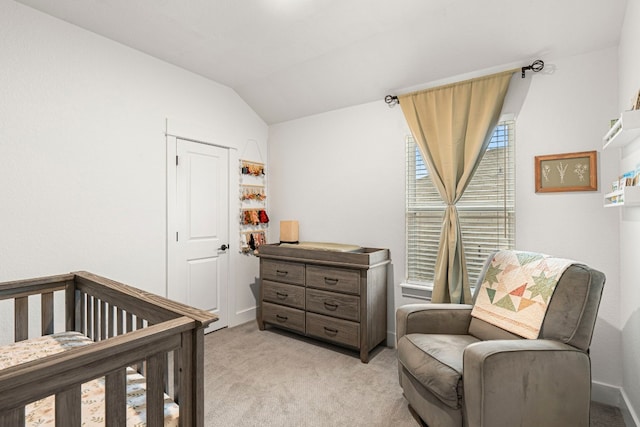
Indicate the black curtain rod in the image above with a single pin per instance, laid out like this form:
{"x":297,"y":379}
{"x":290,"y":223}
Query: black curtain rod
{"x":391,"y":100}
{"x":535,"y":66}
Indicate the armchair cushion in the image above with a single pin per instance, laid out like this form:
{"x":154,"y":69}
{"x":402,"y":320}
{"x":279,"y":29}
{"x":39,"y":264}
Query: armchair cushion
{"x":435,"y":360}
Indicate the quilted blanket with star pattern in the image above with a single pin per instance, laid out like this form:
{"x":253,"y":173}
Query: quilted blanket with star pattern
{"x":516,"y":291}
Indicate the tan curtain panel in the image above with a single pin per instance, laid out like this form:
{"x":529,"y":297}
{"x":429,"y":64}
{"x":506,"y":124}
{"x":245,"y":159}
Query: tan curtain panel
{"x":453,"y":125}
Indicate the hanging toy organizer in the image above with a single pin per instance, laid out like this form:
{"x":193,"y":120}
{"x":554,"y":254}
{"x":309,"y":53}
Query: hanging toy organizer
{"x":252,"y":192}
{"x":253,"y":214}
{"x":252,"y":240}
{"x":252,"y":168}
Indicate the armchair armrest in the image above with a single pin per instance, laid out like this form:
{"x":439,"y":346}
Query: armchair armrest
{"x":433,"y":319}
{"x":526,"y":383}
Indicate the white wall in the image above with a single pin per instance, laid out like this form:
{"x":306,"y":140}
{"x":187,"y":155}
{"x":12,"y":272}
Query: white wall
{"x":569,"y":111}
{"x":82,"y":152}
{"x":82,"y":161}
{"x":341,"y":174}
{"x":629,"y":74}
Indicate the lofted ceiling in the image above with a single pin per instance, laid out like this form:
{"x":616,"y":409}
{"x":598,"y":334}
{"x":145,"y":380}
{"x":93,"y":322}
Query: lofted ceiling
{"x":293,"y":58}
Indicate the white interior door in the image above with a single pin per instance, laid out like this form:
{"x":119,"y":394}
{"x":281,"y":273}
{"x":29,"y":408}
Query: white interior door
{"x":198,"y":261}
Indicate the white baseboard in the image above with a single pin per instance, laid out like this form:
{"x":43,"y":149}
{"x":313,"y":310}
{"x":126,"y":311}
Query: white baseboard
{"x":391,"y":339}
{"x":615,"y":396}
{"x":605,"y":393}
{"x":630,"y":417}
{"x":242,"y":317}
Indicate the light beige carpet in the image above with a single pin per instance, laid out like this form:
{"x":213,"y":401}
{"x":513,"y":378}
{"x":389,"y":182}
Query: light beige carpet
{"x":274,"y":378}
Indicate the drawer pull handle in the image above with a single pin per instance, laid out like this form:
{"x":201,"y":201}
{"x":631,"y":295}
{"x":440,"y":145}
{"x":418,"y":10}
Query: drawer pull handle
{"x":281,"y":318}
{"x":330,"y":306}
{"x":330,"y":281}
{"x":281,"y":295}
{"x":282,"y":272}
{"x":331,"y":331}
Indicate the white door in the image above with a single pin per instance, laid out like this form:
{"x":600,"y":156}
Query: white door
{"x":198,"y":261}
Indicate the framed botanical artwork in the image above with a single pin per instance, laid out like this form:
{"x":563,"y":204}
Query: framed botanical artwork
{"x":566,"y":172}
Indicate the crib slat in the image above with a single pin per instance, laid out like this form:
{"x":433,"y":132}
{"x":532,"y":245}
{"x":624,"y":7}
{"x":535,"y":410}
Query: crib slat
{"x":21,"y":322}
{"x":156,"y":367}
{"x":89,"y":314}
{"x":68,"y":413}
{"x":120,"y":321}
{"x":197,"y":349}
{"x":46,"y":307}
{"x":167,"y":372}
{"x":14,"y":417}
{"x":141,"y":367}
{"x":177,"y":367}
{"x":81,"y":313}
{"x":111,"y":325}
{"x":103,"y":320}
{"x":96,"y":319}
{"x":115,"y":398}
{"x":71,"y":304}
{"x":187,"y":385}
{"x":129,"y":322}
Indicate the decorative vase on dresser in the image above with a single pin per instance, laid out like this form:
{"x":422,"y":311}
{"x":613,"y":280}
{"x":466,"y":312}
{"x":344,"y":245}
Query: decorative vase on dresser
{"x":338,"y":296}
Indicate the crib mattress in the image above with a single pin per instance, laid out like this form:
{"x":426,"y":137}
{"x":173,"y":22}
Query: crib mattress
{"x":42,"y":412}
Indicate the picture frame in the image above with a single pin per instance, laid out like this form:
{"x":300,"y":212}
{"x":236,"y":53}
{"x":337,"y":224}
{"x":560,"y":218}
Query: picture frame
{"x":566,"y":172}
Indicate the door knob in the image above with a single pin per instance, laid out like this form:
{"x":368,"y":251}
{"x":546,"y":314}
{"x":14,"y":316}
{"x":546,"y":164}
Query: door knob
{"x":224,"y":247}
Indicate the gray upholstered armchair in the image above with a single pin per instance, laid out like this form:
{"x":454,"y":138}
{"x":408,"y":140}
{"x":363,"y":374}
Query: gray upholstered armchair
{"x":460,"y":370}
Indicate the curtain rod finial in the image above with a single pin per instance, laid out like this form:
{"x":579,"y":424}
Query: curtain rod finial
{"x":391,"y":100}
{"x":535,"y":66}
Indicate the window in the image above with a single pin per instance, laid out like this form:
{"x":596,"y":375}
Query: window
{"x":486,"y":209}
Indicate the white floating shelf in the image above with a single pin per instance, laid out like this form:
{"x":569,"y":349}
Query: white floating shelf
{"x":623,"y":131}
{"x":628,"y":196}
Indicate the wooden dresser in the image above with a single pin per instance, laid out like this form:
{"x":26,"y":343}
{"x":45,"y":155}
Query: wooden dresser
{"x":339,"y":297}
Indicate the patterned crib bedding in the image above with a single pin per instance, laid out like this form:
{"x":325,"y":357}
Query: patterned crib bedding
{"x":42,"y":412}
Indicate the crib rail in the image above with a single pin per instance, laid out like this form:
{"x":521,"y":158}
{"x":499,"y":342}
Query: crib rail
{"x":164,"y":339}
{"x":150,"y":307}
{"x":59,"y":374}
{"x":21,"y":290}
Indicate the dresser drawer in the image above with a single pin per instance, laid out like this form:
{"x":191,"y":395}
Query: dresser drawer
{"x":284,"y":317}
{"x":337,"y":330}
{"x":282,"y":271}
{"x":334,"y":279}
{"x":333,"y":304}
{"x":282,"y":293}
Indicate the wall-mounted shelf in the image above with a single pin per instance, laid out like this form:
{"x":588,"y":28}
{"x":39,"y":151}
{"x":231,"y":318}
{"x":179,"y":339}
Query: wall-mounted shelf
{"x":628,"y":196}
{"x":623,"y":131}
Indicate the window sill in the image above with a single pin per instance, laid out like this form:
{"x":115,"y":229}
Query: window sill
{"x":421,"y":292}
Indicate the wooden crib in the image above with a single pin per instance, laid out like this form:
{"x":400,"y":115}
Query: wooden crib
{"x":127,"y":327}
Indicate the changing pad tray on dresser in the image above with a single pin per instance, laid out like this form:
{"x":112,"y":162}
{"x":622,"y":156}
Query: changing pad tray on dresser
{"x":333,"y":292}
{"x":323,"y":246}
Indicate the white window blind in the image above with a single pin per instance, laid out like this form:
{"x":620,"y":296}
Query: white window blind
{"x":486,"y":209}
